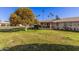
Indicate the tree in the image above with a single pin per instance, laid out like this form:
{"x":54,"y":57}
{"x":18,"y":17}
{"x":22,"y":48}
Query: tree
{"x":23,"y":16}
{"x":57,"y":17}
{"x":50,"y":15}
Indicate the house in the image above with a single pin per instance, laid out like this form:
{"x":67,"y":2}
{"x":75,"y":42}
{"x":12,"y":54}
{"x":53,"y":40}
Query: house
{"x":5,"y":23}
{"x":48,"y":24}
{"x":62,"y":24}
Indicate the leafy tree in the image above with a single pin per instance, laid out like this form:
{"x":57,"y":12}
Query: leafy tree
{"x":23,"y":16}
{"x":57,"y":17}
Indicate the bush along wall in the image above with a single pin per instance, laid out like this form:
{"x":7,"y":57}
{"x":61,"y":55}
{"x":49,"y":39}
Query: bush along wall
{"x":12,"y":29}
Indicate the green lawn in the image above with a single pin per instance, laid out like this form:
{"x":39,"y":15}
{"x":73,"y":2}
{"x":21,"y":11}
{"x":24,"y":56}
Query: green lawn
{"x":9,"y":39}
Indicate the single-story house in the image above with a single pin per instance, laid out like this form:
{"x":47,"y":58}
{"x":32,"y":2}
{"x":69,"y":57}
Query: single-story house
{"x":5,"y":23}
{"x":48,"y":24}
{"x":63,"y":24}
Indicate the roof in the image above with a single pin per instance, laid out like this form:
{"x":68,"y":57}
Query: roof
{"x":47,"y":20}
{"x":72,"y":19}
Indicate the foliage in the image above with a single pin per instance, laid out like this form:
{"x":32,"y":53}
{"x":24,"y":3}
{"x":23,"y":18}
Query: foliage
{"x":57,"y":17}
{"x":12,"y":29}
{"x":23,"y":16}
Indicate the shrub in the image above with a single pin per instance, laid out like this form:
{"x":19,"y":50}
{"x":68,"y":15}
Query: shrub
{"x":12,"y":29}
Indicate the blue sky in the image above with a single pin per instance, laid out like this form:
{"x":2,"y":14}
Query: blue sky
{"x":62,"y":12}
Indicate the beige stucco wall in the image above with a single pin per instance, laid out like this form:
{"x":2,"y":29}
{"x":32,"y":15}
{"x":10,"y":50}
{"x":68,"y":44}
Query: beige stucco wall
{"x":67,"y":24}
{"x":61,"y":25}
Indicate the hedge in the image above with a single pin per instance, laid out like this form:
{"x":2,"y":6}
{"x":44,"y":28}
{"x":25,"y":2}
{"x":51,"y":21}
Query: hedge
{"x":11,"y":29}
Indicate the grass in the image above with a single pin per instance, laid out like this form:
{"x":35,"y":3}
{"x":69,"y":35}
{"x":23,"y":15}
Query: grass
{"x":10,"y":39}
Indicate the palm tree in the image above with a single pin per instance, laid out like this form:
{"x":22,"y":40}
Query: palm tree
{"x":43,"y":11}
{"x":57,"y":17}
{"x":50,"y":15}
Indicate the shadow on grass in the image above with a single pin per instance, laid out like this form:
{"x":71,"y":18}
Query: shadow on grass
{"x":43,"y":47}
